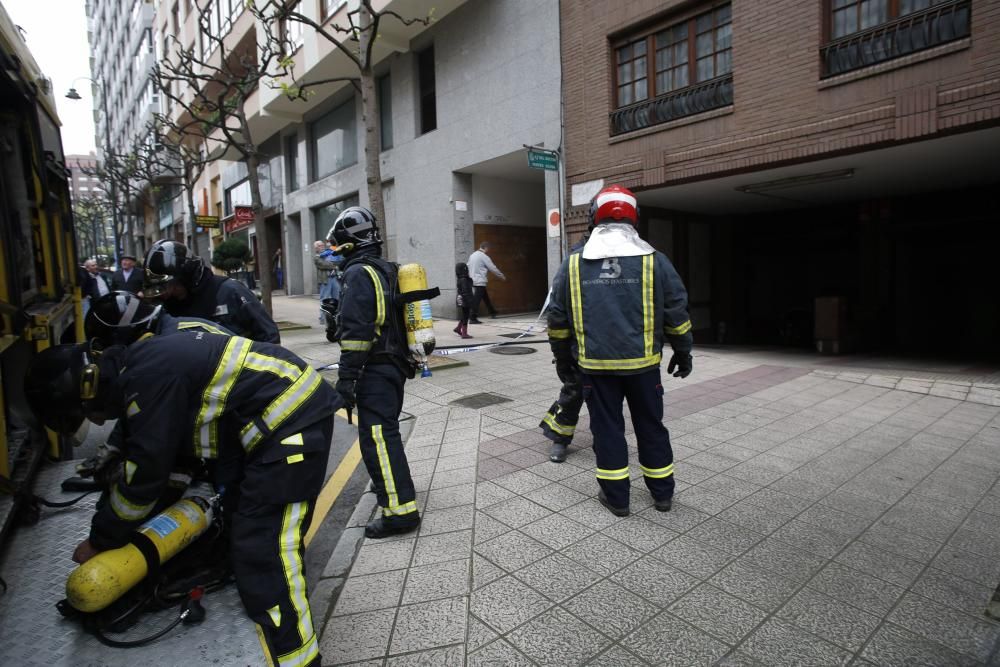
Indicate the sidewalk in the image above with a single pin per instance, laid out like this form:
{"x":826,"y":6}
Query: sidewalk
{"x":820,"y":519}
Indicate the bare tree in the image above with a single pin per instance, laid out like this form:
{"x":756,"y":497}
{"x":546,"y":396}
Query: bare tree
{"x":210,"y":89}
{"x":90,"y":215}
{"x":357,"y":41}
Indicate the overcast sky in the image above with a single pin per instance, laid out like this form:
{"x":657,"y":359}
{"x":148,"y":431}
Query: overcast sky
{"x":56,"y":33}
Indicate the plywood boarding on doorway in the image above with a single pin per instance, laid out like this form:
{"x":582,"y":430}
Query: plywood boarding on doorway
{"x":520,"y":252}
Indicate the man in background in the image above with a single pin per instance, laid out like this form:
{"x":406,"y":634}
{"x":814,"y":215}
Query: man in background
{"x":480,"y":266}
{"x":128,"y":277}
{"x":93,"y":284}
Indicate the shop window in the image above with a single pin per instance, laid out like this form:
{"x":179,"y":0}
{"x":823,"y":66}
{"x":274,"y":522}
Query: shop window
{"x":673,"y":69}
{"x":865,"y":32}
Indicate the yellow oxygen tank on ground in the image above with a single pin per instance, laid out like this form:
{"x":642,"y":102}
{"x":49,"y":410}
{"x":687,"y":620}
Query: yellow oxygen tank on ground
{"x":417,"y":313}
{"x":110,"y":574}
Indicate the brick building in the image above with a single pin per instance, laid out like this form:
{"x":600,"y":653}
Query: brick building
{"x":829,"y":158}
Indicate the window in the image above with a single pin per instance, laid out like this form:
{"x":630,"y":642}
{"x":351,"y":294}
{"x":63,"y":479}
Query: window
{"x":324,"y":216}
{"x":865,"y":32}
{"x":291,"y":35}
{"x":675,"y":69}
{"x":334,"y":141}
{"x":383,"y":93}
{"x":238,"y":195}
{"x":292,"y":163}
{"x":425,"y":82}
{"x":175,"y":19}
{"x":330,"y":7}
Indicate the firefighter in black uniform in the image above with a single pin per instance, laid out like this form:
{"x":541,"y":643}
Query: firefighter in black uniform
{"x":121,"y":318}
{"x":204,"y":396}
{"x":617,"y":301}
{"x":374,"y":365}
{"x":188,"y":288}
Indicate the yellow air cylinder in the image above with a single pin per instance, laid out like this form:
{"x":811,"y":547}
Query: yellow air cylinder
{"x":110,"y":574}
{"x":419,"y":323}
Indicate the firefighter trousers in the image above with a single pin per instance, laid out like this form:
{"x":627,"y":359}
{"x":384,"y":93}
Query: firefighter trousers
{"x":380,"y":400}
{"x":644,"y":394}
{"x":271,"y":517}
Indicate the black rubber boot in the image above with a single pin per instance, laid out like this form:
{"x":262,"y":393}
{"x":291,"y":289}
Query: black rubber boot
{"x":557,"y":452}
{"x":384,"y":526}
{"x":617,"y":511}
{"x":663,"y":505}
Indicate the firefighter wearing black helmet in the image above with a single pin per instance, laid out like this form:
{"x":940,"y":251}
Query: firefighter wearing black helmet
{"x":122,"y":318}
{"x":614,"y":305}
{"x":374,"y":364}
{"x":224,"y":399}
{"x":187,"y":288}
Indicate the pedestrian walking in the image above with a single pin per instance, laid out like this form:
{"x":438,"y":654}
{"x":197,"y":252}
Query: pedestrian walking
{"x":94,"y":285}
{"x":618,"y":301}
{"x":326,"y":262}
{"x":128,"y":277}
{"x":480,"y":266}
{"x":375,"y":362}
{"x":463,"y":298}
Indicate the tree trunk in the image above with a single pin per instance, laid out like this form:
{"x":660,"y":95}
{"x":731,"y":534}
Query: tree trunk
{"x":263,"y":247}
{"x":189,"y":196}
{"x":370,"y":114}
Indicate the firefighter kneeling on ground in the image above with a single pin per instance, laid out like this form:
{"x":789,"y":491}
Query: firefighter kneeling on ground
{"x":375,"y":362}
{"x":613,"y":306}
{"x":260,"y":418}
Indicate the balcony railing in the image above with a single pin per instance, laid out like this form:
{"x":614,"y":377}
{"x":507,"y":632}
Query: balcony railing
{"x":944,"y":22}
{"x":688,"y":101}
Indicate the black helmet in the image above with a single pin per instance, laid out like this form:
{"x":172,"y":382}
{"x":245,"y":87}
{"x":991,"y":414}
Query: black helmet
{"x":62,"y":382}
{"x":355,"y":228}
{"x":170,"y":260}
{"x":119,"y":318}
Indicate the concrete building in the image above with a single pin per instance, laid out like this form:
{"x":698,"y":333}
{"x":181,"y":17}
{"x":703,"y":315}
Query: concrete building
{"x":81,"y":183}
{"x":459,"y":100}
{"x":819,"y":171}
{"x":122,"y":56}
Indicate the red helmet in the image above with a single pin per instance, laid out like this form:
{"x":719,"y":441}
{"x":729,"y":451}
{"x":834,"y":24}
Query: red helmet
{"x":614,"y":204}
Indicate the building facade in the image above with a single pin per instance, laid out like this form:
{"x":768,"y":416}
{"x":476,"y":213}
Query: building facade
{"x":821,"y":171}
{"x":459,"y":98}
{"x":83,"y":183}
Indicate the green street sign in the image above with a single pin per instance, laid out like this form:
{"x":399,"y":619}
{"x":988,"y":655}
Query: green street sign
{"x":543,"y":160}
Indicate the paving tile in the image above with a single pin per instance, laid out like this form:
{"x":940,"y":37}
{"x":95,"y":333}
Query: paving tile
{"x":484,"y":572}
{"x":498,"y":446}
{"x":640,"y":534}
{"x":854,"y":504}
{"x":552,"y":471}
{"x":704,"y":500}
{"x":856,"y":588}
{"x":557,"y":638}
{"x":814,"y":539}
{"x":667,"y":640}
{"x":555,"y":497}
{"x":845,"y":626}
{"x":880,"y":563}
{"x":977,"y":542}
{"x":980,"y":569}
{"x":486,"y":528}
{"x":953,"y":591}
{"x":491,"y":468}
{"x":754,"y":585}
{"x":441,"y":580}
{"x":452,"y":656}
{"x":900,"y":542}
{"x":712,"y":461}
{"x":718,"y":613}
{"x":834,"y":519}
{"x":693,"y":557}
{"x":357,"y":637}
{"x":740,"y":658}
{"x":601,"y":554}
{"x":383,"y":556}
{"x":513,"y":550}
{"x":452,"y":496}
{"x":776,"y":501}
{"x":680,"y":518}
{"x":892,"y":646}
{"x":506,"y":604}
{"x":444,"y":547}
{"x":617,"y":656}
{"x":591,"y":514}
{"x":556,"y":531}
{"x":611,"y":608}
{"x":783,"y":559}
{"x":370,"y":592}
{"x":446,"y":520}
{"x":516,"y":511}
{"x":655,"y":581}
{"x":724,"y":536}
{"x":584,"y":483}
{"x":526,"y":457}
{"x":966,"y":634}
{"x":779,"y":643}
{"x":557,"y":577}
{"x":499,"y":653}
{"x":479,"y":634}
{"x":754,"y":517}
{"x":521,"y":482}
{"x":428,"y":625}
{"x":756,"y":473}
{"x":488,"y":493}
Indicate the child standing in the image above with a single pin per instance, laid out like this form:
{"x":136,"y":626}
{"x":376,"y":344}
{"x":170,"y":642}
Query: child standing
{"x":463,"y":298}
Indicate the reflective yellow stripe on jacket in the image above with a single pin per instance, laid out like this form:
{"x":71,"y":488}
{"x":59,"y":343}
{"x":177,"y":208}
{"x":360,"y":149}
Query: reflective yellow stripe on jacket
{"x":282,"y":407}
{"x":213,"y":401}
{"x":379,"y":299}
{"x":576,"y":303}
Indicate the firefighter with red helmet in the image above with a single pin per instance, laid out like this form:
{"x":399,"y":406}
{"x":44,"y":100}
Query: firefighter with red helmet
{"x":614,"y":304}
{"x":188,"y":288}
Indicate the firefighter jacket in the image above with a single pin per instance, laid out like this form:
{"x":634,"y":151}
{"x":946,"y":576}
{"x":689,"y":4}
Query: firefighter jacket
{"x":199,"y":395}
{"x":618,"y":312}
{"x":229,"y":303}
{"x":371,"y":318}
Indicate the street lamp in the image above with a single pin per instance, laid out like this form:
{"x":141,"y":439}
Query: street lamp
{"x":72,"y":94}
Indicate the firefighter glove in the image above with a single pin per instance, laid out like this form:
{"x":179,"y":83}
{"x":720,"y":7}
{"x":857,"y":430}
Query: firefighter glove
{"x":347,"y":388}
{"x":566,"y":370}
{"x":682,"y":362}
